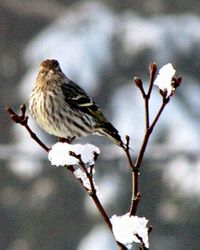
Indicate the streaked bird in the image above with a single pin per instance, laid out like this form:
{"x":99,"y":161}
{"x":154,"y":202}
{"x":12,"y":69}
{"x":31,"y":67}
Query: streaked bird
{"x":63,"y":109}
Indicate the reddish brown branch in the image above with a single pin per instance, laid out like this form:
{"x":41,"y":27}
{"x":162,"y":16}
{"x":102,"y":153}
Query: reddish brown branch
{"x":148,"y":134}
{"x":134,"y":204}
{"x":23,"y":120}
{"x":148,"y":131}
{"x":152,"y":72}
{"x":142,"y":245}
{"x":134,"y":199}
{"x":92,"y":192}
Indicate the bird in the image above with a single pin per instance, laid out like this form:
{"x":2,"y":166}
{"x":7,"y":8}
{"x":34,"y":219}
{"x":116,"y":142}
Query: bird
{"x":63,"y":109}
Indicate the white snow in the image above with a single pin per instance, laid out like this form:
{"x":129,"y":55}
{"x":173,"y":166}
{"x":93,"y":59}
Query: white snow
{"x":80,"y":174}
{"x":59,"y":154}
{"x":164,"y":79}
{"x":125,"y":229}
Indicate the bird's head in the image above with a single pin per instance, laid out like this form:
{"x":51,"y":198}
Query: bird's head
{"x":49,"y":71}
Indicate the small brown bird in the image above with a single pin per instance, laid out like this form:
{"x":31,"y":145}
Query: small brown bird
{"x":63,"y":109}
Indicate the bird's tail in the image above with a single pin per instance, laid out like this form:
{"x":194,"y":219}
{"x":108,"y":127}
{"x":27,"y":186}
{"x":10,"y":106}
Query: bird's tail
{"x":108,"y":130}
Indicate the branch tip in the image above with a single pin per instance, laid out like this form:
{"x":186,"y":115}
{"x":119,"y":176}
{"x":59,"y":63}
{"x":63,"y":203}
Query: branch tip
{"x":23,"y":108}
{"x":95,"y":156}
{"x":22,"y":119}
{"x":138,"y":82}
{"x":152,"y":67}
{"x":127,"y":140}
{"x":7,"y":109}
{"x":176,"y":82}
{"x":150,"y":228}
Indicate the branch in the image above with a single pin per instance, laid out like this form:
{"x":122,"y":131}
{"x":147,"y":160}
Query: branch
{"x":23,"y":120}
{"x":142,"y":246}
{"x":136,"y":196}
{"x":134,"y":204}
{"x":148,"y":134}
{"x":93,"y":194}
{"x":152,"y":72}
{"x":135,"y":171}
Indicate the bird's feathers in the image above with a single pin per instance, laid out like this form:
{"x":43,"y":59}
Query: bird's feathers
{"x":66,"y":109}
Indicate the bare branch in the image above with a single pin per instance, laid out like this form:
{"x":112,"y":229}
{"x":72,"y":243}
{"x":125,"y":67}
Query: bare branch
{"x":93,"y":194}
{"x":134,"y":204}
{"x":23,"y":120}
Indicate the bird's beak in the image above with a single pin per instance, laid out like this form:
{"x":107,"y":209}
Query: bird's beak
{"x":52,"y":72}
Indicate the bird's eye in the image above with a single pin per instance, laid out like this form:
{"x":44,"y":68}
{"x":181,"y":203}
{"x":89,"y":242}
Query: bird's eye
{"x":42,"y":71}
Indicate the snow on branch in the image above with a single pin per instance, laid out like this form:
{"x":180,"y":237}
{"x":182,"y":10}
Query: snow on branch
{"x":164,"y":79}
{"x":60,"y":154}
{"x":128,"y":229}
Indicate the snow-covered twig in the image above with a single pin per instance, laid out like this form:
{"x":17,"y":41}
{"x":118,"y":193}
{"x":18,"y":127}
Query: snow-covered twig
{"x":128,"y":229}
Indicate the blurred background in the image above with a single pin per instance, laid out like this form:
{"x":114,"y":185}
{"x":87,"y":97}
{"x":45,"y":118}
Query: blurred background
{"x":101,"y":45}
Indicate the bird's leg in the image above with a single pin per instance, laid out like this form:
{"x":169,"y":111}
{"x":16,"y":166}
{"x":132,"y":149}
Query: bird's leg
{"x":67,"y":140}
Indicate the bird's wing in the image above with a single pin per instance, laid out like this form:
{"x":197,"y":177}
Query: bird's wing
{"x":76,"y":98}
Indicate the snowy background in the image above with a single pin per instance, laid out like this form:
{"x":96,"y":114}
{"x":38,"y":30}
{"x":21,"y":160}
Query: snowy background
{"x":101,"y":45}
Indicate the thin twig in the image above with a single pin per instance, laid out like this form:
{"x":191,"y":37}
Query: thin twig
{"x":146,"y":104}
{"x":139,"y":84}
{"x":148,"y":134}
{"x":93,"y":194}
{"x":142,"y":246}
{"x":134,"y":204}
{"x":150,"y":228}
{"x":148,"y":130}
{"x":127,"y":151}
{"x":164,"y":103}
{"x":23,"y":120}
{"x":152,"y":72}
